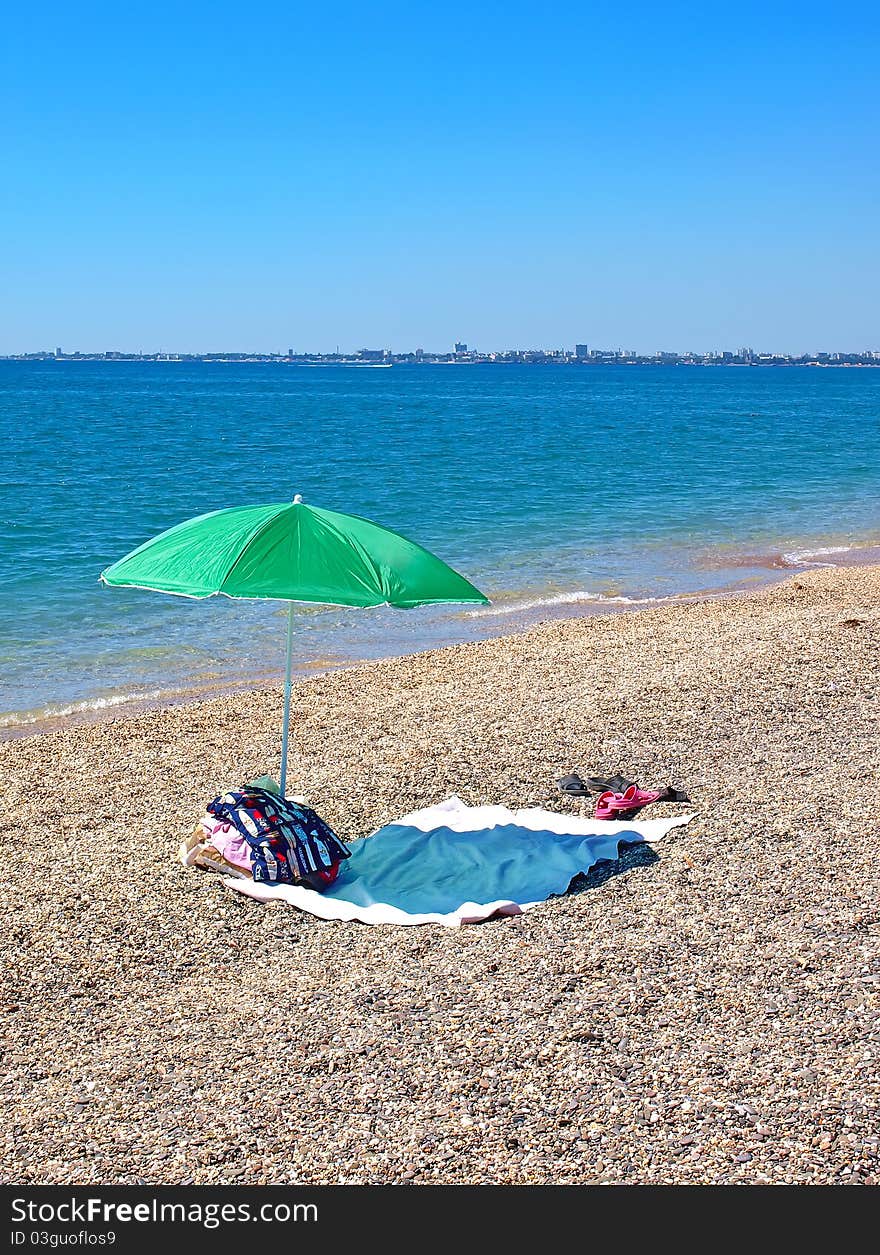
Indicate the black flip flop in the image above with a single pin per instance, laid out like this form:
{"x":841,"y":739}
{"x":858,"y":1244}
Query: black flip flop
{"x":601,"y":784}
{"x":673,"y":795}
{"x":573,"y":786}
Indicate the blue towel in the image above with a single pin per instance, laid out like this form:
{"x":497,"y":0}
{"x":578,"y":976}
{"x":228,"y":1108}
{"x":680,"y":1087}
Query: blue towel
{"x":435,"y":872}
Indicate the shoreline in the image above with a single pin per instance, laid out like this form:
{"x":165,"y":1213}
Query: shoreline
{"x":706,"y":1015}
{"x":524,"y":615}
{"x":110,"y":709}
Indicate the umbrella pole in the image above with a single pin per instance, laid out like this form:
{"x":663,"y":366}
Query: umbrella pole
{"x":286,"y":721}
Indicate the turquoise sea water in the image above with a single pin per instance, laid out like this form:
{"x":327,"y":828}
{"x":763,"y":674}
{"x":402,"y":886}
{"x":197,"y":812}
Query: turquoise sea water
{"x":556,"y":490}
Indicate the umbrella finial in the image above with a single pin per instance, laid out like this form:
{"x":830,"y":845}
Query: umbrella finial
{"x":298,"y":499}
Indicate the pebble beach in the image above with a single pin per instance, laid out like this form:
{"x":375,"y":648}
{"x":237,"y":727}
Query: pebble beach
{"x":703,"y":1012}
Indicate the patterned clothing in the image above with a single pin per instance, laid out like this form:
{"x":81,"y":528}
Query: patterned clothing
{"x":289,"y":843}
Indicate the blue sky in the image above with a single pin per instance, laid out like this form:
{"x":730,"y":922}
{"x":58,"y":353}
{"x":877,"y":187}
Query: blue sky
{"x":200,"y":177}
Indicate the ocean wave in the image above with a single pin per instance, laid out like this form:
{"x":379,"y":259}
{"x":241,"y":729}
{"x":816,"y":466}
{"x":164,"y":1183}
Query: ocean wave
{"x":775,"y":560}
{"x":21,"y":718}
{"x":812,"y":557}
{"x":568,"y":599}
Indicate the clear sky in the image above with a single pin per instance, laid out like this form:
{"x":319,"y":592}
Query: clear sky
{"x":208,"y":176}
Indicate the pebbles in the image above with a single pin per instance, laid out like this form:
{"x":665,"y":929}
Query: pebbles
{"x":707,"y":1016}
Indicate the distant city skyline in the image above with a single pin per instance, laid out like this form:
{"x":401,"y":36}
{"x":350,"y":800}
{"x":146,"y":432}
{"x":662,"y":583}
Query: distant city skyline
{"x":581,"y":354}
{"x":659,"y":176}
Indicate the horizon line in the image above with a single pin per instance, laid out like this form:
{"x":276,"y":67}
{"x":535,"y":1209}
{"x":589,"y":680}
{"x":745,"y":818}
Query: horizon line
{"x":461,"y":350}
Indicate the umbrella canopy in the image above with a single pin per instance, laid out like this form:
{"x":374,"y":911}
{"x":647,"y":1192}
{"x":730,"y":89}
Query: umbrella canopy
{"x":291,"y":552}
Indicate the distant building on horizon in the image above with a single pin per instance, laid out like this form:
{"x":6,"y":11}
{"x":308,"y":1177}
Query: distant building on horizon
{"x":581,"y":351}
{"x":58,"y":353}
{"x":460,"y":347}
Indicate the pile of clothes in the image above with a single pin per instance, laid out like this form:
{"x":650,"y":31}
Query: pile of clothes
{"x":618,"y":798}
{"x":253,"y":833}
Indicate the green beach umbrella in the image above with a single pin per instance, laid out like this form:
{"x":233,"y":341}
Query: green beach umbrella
{"x":291,"y":552}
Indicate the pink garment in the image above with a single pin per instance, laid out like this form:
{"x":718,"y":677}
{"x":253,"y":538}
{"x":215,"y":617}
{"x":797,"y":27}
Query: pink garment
{"x":227,"y":841}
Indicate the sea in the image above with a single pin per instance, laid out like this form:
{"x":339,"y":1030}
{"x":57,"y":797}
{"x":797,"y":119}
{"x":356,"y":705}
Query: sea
{"x":556,"y":490}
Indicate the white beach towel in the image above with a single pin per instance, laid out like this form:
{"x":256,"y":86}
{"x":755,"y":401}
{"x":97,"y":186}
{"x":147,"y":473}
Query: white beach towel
{"x":454,"y":864}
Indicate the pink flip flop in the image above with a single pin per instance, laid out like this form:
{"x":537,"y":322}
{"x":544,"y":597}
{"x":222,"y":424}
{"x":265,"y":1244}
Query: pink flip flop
{"x":605,"y":804}
{"x":623,"y":805}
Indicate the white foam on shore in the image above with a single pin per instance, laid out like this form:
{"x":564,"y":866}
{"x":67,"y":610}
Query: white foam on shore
{"x":570,"y":599}
{"x":18,"y":718}
{"x":812,"y":557}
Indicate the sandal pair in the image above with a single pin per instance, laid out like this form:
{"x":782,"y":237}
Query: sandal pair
{"x":574,"y":786}
{"x":613,"y":805}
